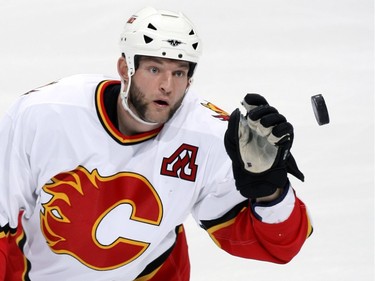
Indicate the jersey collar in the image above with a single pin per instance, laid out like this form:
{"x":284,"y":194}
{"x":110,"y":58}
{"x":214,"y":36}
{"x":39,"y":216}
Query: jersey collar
{"x":108,"y":124}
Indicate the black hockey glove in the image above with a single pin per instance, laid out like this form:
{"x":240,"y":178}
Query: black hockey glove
{"x":259,"y":147}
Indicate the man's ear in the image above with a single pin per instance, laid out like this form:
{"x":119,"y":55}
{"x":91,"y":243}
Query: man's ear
{"x":190,"y":80}
{"x":122,"y":69}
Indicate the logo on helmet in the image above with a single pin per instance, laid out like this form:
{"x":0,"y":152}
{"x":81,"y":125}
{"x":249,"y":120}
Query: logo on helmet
{"x":174,"y":43}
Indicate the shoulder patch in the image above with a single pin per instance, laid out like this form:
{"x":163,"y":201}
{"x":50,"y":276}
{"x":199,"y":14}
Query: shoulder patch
{"x":220,"y":114}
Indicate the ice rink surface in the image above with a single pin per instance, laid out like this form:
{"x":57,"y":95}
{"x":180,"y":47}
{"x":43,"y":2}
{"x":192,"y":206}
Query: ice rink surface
{"x":286,"y":50}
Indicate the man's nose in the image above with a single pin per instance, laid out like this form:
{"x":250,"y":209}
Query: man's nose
{"x":166,"y":83}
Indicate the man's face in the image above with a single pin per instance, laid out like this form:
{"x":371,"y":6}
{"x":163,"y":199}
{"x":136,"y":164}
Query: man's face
{"x":158,"y":88}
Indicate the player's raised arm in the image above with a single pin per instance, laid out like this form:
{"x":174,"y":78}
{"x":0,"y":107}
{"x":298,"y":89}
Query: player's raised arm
{"x":274,"y":223}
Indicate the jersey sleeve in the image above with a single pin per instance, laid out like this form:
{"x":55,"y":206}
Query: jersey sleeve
{"x":235,"y":226}
{"x":16,"y":184}
{"x":15,"y":190}
{"x":241,"y":233}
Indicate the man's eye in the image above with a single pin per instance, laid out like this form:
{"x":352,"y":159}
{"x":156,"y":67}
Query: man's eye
{"x":154,"y":70}
{"x":179,"y":73}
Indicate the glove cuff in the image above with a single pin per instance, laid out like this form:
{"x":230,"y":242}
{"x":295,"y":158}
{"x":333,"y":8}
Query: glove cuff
{"x":259,"y":185}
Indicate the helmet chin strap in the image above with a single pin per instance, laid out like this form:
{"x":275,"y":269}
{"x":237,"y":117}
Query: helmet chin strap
{"x":124,"y":97}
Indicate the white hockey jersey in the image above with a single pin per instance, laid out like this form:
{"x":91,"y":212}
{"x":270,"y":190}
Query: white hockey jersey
{"x":99,"y":205}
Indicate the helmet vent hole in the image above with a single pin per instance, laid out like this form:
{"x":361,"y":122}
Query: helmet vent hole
{"x":180,"y":56}
{"x":192,"y":32}
{"x":147,"y":39}
{"x":195,"y":46}
{"x":150,"y":26}
{"x":164,"y":54}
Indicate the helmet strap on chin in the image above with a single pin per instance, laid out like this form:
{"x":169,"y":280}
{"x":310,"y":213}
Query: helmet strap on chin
{"x":124,"y":92}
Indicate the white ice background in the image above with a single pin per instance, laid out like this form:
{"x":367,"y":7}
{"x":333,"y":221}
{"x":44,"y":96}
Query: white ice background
{"x":286,"y":50}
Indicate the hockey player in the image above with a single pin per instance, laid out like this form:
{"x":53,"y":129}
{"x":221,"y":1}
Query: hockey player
{"x":97,"y":176}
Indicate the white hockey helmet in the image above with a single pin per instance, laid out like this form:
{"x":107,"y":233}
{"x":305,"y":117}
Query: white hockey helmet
{"x":160,"y":33}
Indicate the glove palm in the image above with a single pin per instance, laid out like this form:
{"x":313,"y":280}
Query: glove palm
{"x":259,"y":147}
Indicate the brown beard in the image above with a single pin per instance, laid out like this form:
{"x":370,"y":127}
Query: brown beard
{"x":136,"y":98}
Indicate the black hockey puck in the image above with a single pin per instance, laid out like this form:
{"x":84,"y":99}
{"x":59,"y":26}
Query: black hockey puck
{"x":320,"y":109}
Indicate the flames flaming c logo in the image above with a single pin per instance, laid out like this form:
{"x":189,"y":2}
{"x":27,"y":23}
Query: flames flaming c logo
{"x":79,"y":202}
